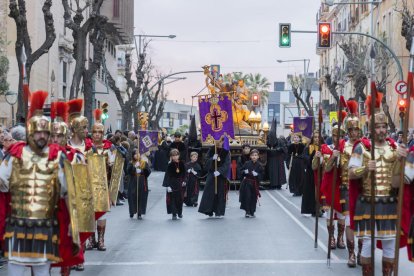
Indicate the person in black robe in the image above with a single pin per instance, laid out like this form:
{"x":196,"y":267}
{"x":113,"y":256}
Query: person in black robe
{"x":252,"y":173}
{"x":179,"y":145}
{"x":138,"y":171}
{"x":192,"y":183}
{"x":242,"y":159}
{"x":162,"y":155}
{"x":276,"y":156}
{"x":212,"y":203}
{"x":295,"y":165}
{"x":174,"y":181}
{"x":308,"y":198}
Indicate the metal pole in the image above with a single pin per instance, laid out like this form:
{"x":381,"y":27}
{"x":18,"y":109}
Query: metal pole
{"x":394,"y":56}
{"x":12,"y":109}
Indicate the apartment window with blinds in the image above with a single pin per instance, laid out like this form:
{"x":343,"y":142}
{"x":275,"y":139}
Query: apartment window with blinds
{"x":116,"y":8}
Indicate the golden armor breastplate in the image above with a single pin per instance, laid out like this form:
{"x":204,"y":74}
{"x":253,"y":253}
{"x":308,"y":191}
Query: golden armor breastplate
{"x":385,"y":159}
{"x":34,"y":186}
{"x":344,"y":161}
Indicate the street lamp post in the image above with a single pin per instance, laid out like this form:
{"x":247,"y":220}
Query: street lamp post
{"x":305,"y":69}
{"x":11,"y":99}
{"x":140,"y":36}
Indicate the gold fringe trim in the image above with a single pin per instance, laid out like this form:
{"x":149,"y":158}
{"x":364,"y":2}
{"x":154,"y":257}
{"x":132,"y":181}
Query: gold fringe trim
{"x":345,"y":213}
{"x":50,"y":257}
{"x":410,"y":241}
{"x":40,"y":237}
{"x":381,"y":233}
{"x":342,"y":201}
{"x":379,"y":217}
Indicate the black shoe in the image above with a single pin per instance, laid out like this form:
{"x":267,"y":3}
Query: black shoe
{"x":174,"y":217}
{"x":195,"y":204}
{"x":119,"y":203}
{"x":180,"y":216}
{"x":80,"y":267}
{"x":139,"y":217}
{"x":131,"y":215}
{"x":278,"y":188}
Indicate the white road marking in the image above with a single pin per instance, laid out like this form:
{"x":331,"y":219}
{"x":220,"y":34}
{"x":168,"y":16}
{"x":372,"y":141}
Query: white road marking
{"x":300,"y":224}
{"x":212,"y":262}
{"x":323,"y":227}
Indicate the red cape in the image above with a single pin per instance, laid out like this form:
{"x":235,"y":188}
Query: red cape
{"x":327,"y":178}
{"x":408,"y":207}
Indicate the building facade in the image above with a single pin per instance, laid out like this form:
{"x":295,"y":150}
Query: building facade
{"x":53,"y":71}
{"x":333,"y":62}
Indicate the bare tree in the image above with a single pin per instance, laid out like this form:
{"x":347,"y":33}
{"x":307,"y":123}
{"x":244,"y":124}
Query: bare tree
{"x":94,"y":26}
{"x":355,"y":52}
{"x":407,"y":26}
{"x":302,"y":93}
{"x":23,"y":42}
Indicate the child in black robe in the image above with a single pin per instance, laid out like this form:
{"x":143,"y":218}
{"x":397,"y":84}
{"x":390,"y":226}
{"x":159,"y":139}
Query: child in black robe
{"x":252,"y":173}
{"x":193,"y":170}
{"x":138,"y":171}
{"x":174,"y":181}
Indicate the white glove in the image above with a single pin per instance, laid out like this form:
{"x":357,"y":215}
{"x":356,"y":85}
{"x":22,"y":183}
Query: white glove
{"x":216,"y":173}
{"x":183,"y":184}
{"x":255,"y":173}
{"x":246,"y":171}
{"x":169,"y":190}
{"x":138,"y":170}
{"x":193,"y":171}
{"x":215,"y":156}
{"x":189,"y":170}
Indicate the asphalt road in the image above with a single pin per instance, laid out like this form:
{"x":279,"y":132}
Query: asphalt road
{"x":279,"y":241}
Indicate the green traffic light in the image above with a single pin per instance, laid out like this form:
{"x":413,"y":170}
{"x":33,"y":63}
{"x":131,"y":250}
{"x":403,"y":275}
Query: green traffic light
{"x":284,"y":35}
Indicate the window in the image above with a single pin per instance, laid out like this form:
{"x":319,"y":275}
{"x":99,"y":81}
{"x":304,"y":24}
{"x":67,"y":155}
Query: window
{"x":116,"y":8}
{"x":64,"y":78}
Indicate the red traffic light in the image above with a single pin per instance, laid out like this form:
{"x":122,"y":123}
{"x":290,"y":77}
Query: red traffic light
{"x":402,"y":104}
{"x":255,"y":100}
{"x":324,"y":35}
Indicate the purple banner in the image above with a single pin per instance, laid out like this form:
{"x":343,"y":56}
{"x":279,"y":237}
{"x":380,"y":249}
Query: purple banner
{"x":148,"y":141}
{"x":216,"y":117}
{"x":303,"y":125}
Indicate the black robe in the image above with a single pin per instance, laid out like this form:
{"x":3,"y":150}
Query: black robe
{"x":296,"y":176}
{"x":249,"y":188}
{"x":192,"y":184}
{"x":174,"y":178}
{"x":241,"y":160}
{"x":180,"y":146}
{"x":308,"y":198}
{"x":162,"y":157}
{"x":211,"y":202}
{"x":275,"y":166}
{"x":140,"y":181}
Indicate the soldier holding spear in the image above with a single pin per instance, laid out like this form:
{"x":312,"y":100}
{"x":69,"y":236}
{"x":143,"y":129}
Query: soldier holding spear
{"x":377,"y":166}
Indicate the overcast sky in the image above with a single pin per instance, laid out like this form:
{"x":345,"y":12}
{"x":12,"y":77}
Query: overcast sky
{"x":240,"y":35}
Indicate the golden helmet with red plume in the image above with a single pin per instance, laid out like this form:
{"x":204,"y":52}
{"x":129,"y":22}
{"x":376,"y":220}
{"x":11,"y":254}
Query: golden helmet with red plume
{"x":98,"y":126}
{"x":59,"y":115}
{"x":352,"y":120}
{"x":77,"y":122}
{"x":380,"y":117}
{"x":36,"y":120}
{"x":335,"y":128}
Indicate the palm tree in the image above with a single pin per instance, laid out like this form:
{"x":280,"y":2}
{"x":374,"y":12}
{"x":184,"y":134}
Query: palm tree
{"x":256,"y":83}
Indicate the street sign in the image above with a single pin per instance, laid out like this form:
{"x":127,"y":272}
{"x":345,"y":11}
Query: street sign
{"x":401,"y":87}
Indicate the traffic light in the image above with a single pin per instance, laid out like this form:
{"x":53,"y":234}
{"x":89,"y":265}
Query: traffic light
{"x":324,"y":35}
{"x":105,"y":114}
{"x":402,"y":105}
{"x":255,"y":100}
{"x":284,"y":35}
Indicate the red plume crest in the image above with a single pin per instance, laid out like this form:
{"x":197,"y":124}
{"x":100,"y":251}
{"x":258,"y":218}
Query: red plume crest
{"x":53,"y":110}
{"x":62,"y":109}
{"x":38,"y":99}
{"x":352,"y":107}
{"x":75,"y":106}
{"x":97,"y":114}
{"x":343,"y":115}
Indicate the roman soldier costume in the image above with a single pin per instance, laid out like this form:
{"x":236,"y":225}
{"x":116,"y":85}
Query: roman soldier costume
{"x":387,"y":165}
{"x":407,"y":223}
{"x":106,"y":164}
{"x":33,"y":174}
{"x":326,"y":189}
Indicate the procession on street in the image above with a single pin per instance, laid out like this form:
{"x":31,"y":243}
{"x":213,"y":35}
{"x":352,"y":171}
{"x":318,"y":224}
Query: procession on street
{"x":104,"y":168}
